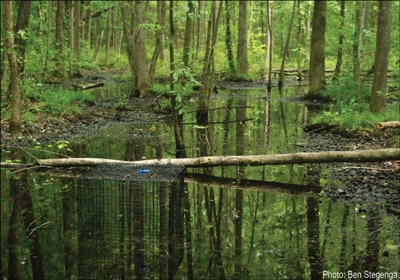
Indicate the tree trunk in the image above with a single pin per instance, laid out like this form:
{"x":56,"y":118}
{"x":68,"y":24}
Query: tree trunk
{"x":77,"y":32}
{"x":286,"y":49}
{"x":188,"y":34}
{"x":269,"y":45}
{"x":180,"y":150}
{"x":139,"y":39}
{"x":242,"y":58}
{"x":228,"y":38}
{"x":357,"y":45}
{"x":378,"y":100}
{"x":161,"y":12}
{"x":88,"y":19}
{"x":299,"y":43}
{"x":317,"y":51}
{"x":15,"y":78}
{"x":202,"y":113}
{"x":200,"y":26}
{"x":341,"y":38}
{"x":129,"y":44}
{"x":21,"y":27}
{"x":211,"y":161}
{"x":61,"y":71}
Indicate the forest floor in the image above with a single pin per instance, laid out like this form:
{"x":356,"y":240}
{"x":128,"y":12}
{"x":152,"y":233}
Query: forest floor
{"x":365,"y":183}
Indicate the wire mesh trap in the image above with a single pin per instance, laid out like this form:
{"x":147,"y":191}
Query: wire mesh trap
{"x":130,"y":221}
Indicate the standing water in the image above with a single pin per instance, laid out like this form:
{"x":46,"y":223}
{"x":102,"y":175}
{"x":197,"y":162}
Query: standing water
{"x":269,"y":222}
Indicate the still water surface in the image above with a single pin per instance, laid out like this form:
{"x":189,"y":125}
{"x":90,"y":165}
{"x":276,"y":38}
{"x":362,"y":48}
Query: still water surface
{"x":221,"y":223}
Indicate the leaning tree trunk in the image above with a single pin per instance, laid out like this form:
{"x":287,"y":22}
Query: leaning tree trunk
{"x":378,"y":100}
{"x":317,"y":51}
{"x":15,"y":78}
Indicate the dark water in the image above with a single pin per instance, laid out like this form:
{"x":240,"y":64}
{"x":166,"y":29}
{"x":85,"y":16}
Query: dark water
{"x":233,"y":223}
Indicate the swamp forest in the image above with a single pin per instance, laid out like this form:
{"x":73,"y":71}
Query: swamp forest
{"x":200,"y":139}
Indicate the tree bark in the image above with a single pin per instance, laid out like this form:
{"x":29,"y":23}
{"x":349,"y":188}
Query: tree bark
{"x":77,"y":33}
{"x":269,"y":45}
{"x":61,"y":71}
{"x":228,"y":38}
{"x":24,"y":11}
{"x":286,"y":49}
{"x":378,"y":100}
{"x":139,"y":39}
{"x":341,"y":39}
{"x":211,"y":161}
{"x":180,"y":150}
{"x":161,"y":11}
{"x":242,"y":58}
{"x":15,"y":78}
{"x":317,"y":51}
{"x":357,"y":45}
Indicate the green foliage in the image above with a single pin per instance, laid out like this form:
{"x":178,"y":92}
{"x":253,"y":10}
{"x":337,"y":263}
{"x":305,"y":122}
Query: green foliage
{"x":343,"y":92}
{"x":184,"y":81}
{"x":351,"y":114}
{"x":57,"y":101}
{"x":355,"y":116}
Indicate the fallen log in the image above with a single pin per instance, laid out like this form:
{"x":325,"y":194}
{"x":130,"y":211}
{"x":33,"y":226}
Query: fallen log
{"x":88,"y":85}
{"x":211,"y":161}
{"x":389,"y":124}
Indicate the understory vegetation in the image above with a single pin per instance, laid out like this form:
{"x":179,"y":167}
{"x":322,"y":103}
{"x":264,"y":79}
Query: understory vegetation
{"x":351,"y":112}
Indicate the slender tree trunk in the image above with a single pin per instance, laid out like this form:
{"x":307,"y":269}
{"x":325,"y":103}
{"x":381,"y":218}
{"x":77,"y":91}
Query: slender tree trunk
{"x":200,"y":26}
{"x":299,"y":43}
{"x":317,"y":51}
{"x":15,"y":78}
{"x":202,"y":113}
{"x":188,"y":34}
{"x":228,"y":38}
{"x":341,"y":38}
{"x":286,"y":50}
{"x":178,"y":131}
{"x":242,"y":58}
{"x":378,"y":100}
{"x":358,"y":45}
{"x":88,"y":20}
{"x":108,"y":31}
{"x":24,"y":11}
{"x":161,"y":12}
{"x":141,"y":68}
{"x":61,"y":71}
{"x":129,"y":44}
{"x":77,"y":33}
{"x":269,"y":45}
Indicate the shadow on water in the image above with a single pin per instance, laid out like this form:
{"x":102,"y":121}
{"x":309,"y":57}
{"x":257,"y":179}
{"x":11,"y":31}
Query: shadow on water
{"x":222,"y":223}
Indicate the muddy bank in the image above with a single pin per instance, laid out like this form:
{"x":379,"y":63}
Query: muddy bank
{"x":94,"y":114}
{"x":363,"y":183}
